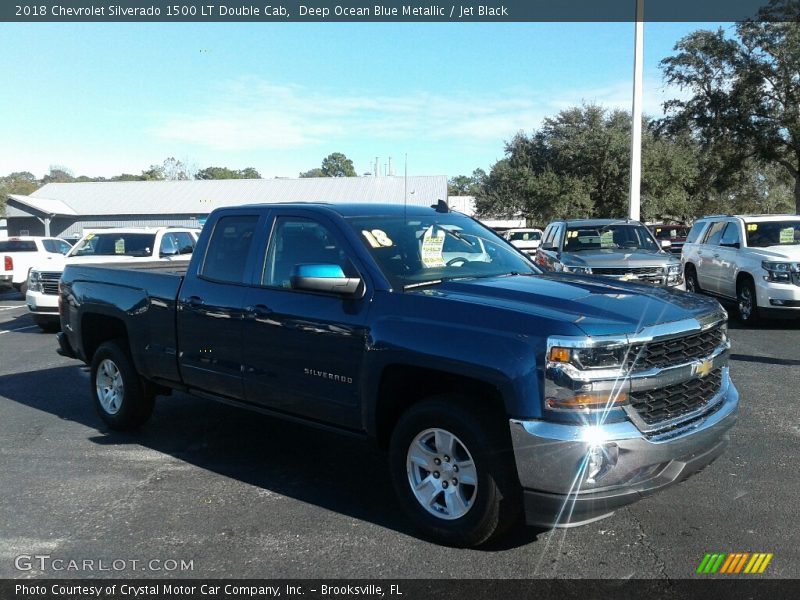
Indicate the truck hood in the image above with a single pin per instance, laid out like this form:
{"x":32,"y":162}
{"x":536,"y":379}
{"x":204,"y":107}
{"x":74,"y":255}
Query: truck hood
{"x":618,"y":258}
{"x":59,"y":262}
{"x":777,"y":253}
{"x":598,"y":306}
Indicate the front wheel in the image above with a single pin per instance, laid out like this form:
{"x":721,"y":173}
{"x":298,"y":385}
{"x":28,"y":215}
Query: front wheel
{"x":454,"y":472}
{"x":690,"y":275}
{"x":121,"y":399}
{"x":746,"y":299}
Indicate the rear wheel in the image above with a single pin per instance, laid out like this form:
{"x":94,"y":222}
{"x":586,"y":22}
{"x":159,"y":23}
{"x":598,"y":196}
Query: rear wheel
{"x":121,"y":398}
{"x":453,"y":471}
{"x":746,"y":299}
{"x":690,"y":275}
{"x":47,"y":324}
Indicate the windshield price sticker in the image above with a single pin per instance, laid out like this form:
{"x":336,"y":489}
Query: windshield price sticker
{"x":607,"y":239}
{"x":572,"y":234}
{"x":432,"y":245}
{"x":377,"y":238}
{"x":787,"y":236}
{"x":119,"y":246}
{"x":752,"y":226}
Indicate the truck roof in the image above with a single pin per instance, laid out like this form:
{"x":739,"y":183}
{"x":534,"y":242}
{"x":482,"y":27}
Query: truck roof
{"x":355,"y":209}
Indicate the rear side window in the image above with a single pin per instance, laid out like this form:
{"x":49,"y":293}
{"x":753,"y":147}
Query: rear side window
{"x":229,"y":248}
{"x":695,"y":231}
{"x":17,"y":246}
{"x":56,"y":246}
{"x":715,"y":233}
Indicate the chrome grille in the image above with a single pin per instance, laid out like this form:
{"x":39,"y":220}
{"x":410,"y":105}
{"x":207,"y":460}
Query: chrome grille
{"x":50,"y":281}
{"x":620,"y":271}
{"x":677,"y":351}
{"x":663,"y":404}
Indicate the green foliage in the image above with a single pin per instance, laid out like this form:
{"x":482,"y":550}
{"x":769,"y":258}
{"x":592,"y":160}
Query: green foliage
{"x":338,"y":165}
{"x":226,"y":173}
{"x":317,"y":172}
{"x":466,"y":185}
{"x":744,"y":107}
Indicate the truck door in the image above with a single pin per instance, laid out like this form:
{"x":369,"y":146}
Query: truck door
{"x":304,"y":350}
{"x":210,"y":308}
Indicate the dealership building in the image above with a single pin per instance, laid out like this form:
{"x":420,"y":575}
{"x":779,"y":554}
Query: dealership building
{"x":67,"y":209}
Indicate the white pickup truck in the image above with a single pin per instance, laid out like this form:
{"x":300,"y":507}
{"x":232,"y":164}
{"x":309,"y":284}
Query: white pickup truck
{"x":19,"y":254}
{"x":132,"y":244}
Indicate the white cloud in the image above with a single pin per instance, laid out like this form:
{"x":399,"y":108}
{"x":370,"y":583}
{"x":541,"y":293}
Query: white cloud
{"x":254,"y":115}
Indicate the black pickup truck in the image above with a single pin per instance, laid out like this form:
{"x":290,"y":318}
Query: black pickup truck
{"x":496,"y":389}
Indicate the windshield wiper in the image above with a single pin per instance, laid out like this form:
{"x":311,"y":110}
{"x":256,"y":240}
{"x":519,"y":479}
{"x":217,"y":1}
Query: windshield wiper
{"x":411,"y":286}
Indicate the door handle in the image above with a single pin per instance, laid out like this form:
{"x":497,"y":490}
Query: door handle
{"x":259,"y":310}
{"x":194,"y":301}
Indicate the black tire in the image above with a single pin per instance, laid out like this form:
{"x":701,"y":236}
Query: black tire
{"x":133,"y":404}
{"x":47,"y":324}
{"x":747,"y":301}
{"x":495,"y":503}
{"x":690,"y":276}
{"x":23,"y":288}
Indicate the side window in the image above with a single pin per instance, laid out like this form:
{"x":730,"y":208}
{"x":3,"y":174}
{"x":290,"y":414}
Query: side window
{"x":52,"y":246}
{"x":557,"y":233}
{"x":63,"y":247}
{"x":168,"y":246}
{"x":228,"y":248}
{"x":715,"y":233}
{"x":731,"y":234}
{"x":298,"y":241}
{"x":184,"y":241}
{"x":695,"y":231}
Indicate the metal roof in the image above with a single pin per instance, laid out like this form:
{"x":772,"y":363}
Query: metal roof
{"x":44,"y":205}
{"x":202,"y":196}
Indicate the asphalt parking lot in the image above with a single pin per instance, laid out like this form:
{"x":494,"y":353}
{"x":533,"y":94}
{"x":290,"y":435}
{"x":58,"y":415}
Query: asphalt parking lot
{"x":241,"y":495}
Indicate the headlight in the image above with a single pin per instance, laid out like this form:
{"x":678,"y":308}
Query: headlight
{"x":568,"y":364}
{"x":34,"y":281}
{"x":780,"y":272}
{"x":674,"y":275}
{"x":577,"y":269}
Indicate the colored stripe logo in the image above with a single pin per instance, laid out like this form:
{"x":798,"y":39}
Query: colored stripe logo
{"x":734,"y":563}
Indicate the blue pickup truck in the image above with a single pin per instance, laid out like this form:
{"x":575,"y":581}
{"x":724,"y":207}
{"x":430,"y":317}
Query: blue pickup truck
{"x":497,"y":390}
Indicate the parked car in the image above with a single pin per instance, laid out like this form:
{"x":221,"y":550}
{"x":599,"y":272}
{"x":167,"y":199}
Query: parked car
{"x":676,"y":234}
{"x":111,"y":245}
{"x":752,"y":259}
{"x":496,"y":389}
{"x":527,"y":240}
{"x":623,"y":249}
{"x":18,"y":254}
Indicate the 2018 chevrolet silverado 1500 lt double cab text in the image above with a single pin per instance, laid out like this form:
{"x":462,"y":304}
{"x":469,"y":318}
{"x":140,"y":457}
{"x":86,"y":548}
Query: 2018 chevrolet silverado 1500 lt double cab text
{"x":494,"y":387}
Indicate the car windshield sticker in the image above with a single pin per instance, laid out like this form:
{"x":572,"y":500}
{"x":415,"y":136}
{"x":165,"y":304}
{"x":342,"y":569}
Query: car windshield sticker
{"x":752,"y":226}
{"x":787,"y":236}
{"x":432,"y":244}
{"x":119,"y":246}
{"x":572,"y":234}
{"x":377,"y":238}
{"x":606,"y":239}
{"x":89,"y":237}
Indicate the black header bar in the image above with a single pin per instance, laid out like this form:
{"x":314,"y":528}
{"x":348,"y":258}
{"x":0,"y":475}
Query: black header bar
{"x":282,"y":11}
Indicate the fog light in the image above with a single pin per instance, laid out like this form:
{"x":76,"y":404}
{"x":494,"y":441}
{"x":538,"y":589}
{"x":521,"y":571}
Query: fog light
{"x":775,"y":302}
{"x":600,"y":460}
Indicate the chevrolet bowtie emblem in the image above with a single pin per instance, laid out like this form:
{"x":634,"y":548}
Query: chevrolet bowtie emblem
{"x":704,"y":368}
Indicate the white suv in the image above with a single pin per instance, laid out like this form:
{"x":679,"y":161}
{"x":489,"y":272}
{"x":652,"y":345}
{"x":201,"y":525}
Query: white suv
{"x":527,"y":240}
{"x":18,"y":254}
{"x":104,"y":246}
{"x":752,"y":259}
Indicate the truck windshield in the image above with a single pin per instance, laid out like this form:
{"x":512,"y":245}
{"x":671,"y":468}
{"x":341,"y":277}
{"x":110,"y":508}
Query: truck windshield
{"x":581,"y":238}
{"x":115,"y":244}
{"x":773,"y":233}
{"x":421,"y":250}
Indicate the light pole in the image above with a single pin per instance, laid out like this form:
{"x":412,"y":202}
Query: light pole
{"x":636,"y":116}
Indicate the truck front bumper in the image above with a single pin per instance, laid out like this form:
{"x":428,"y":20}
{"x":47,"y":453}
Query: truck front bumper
{"x":575,"y":474}
{"x":42,"y":304}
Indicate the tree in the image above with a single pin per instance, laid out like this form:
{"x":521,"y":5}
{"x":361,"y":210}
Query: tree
{"x":466,"y":185}
{"x":745,"y":98}
{"x":338,"y":165}
{"x":21,"y":182}
{"x":226,"y":173}
{"x":316,"y":172}
{"x":58,"y":174}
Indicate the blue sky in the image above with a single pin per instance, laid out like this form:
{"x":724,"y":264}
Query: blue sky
{"x":101,"y":99}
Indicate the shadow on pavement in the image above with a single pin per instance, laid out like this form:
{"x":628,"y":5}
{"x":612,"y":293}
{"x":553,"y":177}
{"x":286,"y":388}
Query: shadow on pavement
{"x":334,"y":472}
